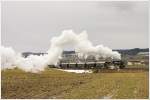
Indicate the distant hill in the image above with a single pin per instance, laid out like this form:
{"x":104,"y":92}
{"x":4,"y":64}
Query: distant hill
{"x":132,"y":51}
{"x":122,"y":51}
{"x":26,"y":54}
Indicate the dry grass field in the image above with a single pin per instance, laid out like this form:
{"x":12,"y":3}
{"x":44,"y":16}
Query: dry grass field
{"x":54,"y":83}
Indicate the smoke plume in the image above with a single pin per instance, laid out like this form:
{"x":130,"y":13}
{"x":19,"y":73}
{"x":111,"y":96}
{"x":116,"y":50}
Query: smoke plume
{"x":33,"y":63}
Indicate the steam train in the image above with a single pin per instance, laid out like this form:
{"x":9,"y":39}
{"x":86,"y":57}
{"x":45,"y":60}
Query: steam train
{"x":115,"y":64}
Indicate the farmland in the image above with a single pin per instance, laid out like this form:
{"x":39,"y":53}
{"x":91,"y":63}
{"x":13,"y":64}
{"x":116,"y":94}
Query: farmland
{"x":53,"y":83}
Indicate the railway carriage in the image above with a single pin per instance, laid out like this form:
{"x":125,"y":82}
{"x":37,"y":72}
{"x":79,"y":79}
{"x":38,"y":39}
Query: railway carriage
{"x":92,"y":65}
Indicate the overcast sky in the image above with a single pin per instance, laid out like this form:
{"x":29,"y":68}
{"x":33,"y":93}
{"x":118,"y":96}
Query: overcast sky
{"x":29,"y":26}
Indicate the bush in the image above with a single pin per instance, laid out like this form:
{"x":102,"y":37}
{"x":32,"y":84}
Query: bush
{"x":95,"y":70}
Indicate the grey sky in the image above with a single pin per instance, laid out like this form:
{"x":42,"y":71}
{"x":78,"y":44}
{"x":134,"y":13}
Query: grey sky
{"x":29,"y":26}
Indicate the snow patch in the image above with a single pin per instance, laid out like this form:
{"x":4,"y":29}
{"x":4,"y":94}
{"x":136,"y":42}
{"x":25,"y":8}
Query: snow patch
{"x":76,"y":71}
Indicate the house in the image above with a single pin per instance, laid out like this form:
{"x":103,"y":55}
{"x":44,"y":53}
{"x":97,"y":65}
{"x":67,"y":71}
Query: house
{"x":143,"y":54}
{"x":135,"y":62}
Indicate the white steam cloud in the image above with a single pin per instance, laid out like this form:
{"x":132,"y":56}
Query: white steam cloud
{"x":33,"y":63}
{"x":10,"y":59}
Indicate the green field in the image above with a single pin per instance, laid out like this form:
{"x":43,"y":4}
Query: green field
{"x":53,"y":83}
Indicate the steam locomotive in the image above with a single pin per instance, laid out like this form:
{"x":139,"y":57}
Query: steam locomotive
{"x":115,"y":64}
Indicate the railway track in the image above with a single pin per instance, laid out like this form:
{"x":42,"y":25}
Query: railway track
{"x":125,"y":70}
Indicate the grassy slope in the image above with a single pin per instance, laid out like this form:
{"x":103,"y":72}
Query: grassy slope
{"x":57,"y":84}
